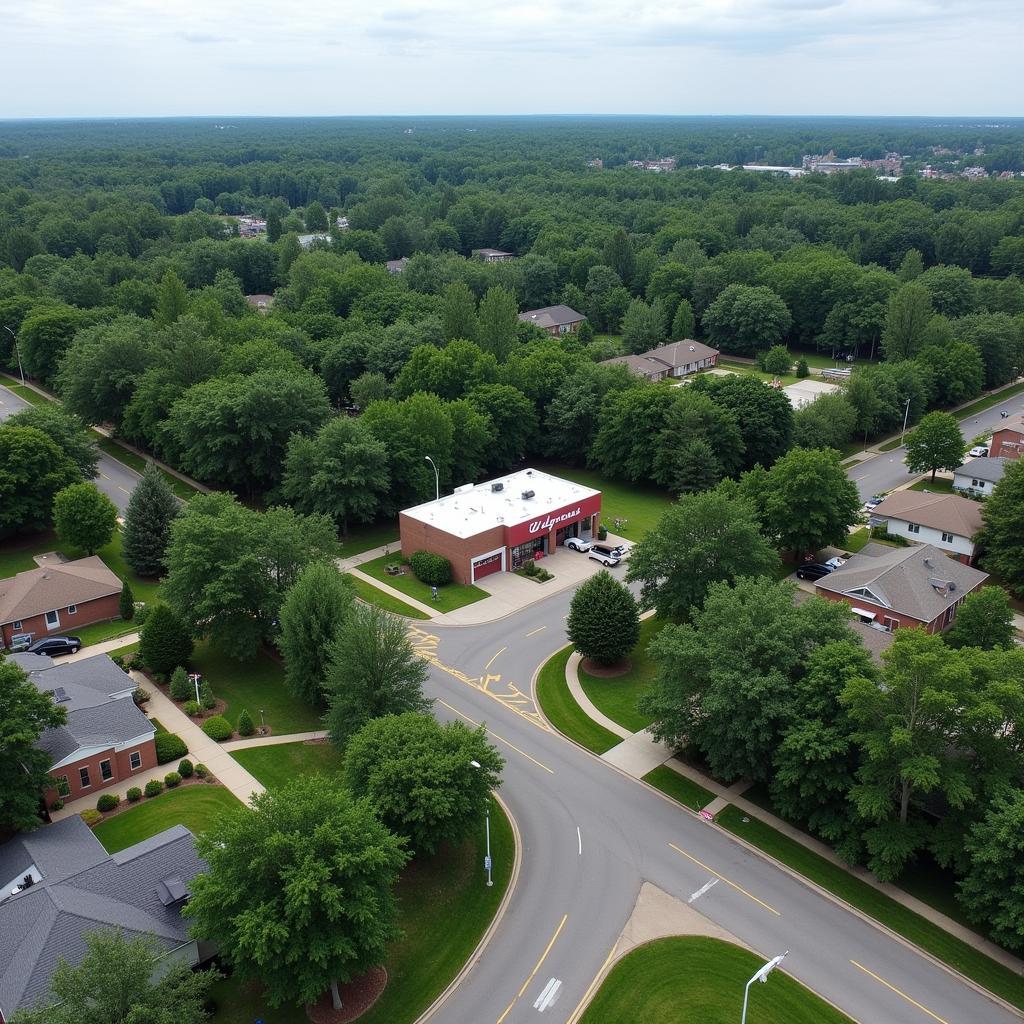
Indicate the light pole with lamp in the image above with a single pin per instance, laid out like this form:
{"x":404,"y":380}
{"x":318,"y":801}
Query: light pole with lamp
{"x":437,"y":478}
{"x":906,"y":414}
{"x":487,"y":825}
{"x":761,"y":976}
{"x":17,"y":349}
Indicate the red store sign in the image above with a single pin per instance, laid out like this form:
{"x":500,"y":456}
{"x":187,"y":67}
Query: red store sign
{"x":555,"y":520}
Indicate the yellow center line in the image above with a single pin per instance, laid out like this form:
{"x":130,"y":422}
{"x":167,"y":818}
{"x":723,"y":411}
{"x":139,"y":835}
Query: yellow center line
{"x":496,"y":736}
{"x":902,"y":995}
{"x":590,"y":989}
{"x":533,"y":973}
{"x":722,"y":878}
{"x":496,"y":656}
{"x":539,"y":629}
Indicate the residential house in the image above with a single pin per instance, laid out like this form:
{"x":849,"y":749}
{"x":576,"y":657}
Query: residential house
{"x":947,"y":521}
{"x":804,"y":392}
{"x":59,"y":884}
{"x":341,"y":223}
{"x":493,"y":255}
{"x":105,"y":739}
{"x":251,"y":227}
{"x":58,"y":598}
{"x":978,"y":477}
{"x":893,"y":587}
{"x":555,"y":320}
{"x":260,"y":302}
{"x":307,"y":241}
{"x":676,"y":359}
{"x":1008,"y":440}
{"x":396,"y":266}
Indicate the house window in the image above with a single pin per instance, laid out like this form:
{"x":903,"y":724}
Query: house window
{"x":52,"y":620}
{"x":72,"y":609}
{"x":135,"y":760}
{"x":16,"y":626}
{"x":106,"y":772}
{"x":947,"y":538}
{"x":83,"y":774}
{"x":974,"y":483}
{"x":890,"y":623}
{"x":913,"y":528}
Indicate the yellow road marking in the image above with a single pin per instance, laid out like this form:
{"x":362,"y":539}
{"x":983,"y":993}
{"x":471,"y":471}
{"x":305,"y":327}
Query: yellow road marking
{"x":902,"y":995}
{"x":496,"y":656}
{"x":722,"y":878}
{"x":533,"y":973}
{"x":590,"y":990}
{"x":534,"y":632}
{"x":496,"y":736}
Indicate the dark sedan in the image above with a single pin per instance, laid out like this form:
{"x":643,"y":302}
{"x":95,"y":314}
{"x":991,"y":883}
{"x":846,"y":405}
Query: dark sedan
{"x":813,"y":571}
{"x":54,"y":646}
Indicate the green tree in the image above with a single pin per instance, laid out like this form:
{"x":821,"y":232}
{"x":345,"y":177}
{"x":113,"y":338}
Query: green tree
{"x":643,"y":326}
{"x":181,"y":687}
{"x":702,"y":539}
{"x":373,"y":671}
{"x":777,"y":360}
{"x":32,"y":470}
{"x":828,"y":422}
{"x":911,"y":266}
{"x":910,"y":310}
{"x":274,"y":229}
{"x":746,"y":318}
{"x":809,"y":501}
{"x":65,"y":429}
{"x":171,"y":299}
{"x":956,"y":370}
{"x":45,"y":336}
{"x":618,"y":254}
{"x":984,"y":620}
{"x":25,"y":713}
{"x":126,"y":603}
{"x":165,"y":640}
{"x":245,"y":726}
{"x":428,"y":782}
{"x":122,"y":978}
{"x":312,"y":613}
{"x":498,"y":322}
{"x":152,"y":508}
{"x":458,"y":312}
{"x":1002,"y":538}
{"x":604,"y":621}
{"x":683,"y":321}
{"x":998,"y":339}
{"x":316,"y":217}
{"x":935,"y":443}
{"x":298,"y":890}
{"x":513,"y":419}
{"x":84,"y":517}
{"x":369,"y":387}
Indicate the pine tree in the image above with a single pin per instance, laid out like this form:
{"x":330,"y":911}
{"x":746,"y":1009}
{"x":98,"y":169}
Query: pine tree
{"x":165,"y":641}
{"x":126,"y":603}
{"x":147,"y":523}
{"x":604,"y":621}
{"x":206,"y":697}
{"x":181,"y":688}
{"x":683,"y":323}
{"x":245,"y":726}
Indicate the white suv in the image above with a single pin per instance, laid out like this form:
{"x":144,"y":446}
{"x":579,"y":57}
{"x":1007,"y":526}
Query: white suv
{"x":605,"y":554}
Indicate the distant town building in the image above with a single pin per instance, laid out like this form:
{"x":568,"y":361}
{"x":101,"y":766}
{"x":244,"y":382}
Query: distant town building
{"x":667,"y":163}
{"x":341,"y":223}
{"x":974,"y":172}
{"x":307,"y":241}
{"x":250,"y":227}
{"x":260,"y":302}
{"x":596,"y":162}
{"x":396,"y":266}
{"x":493,"y":255}
{"x":555,"y":320}
{"x":792,"y":172}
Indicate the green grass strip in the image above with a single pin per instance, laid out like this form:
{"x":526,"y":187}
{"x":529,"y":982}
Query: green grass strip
{"x":562,"y":711}
{"x":679,"y":787}
{"x":372,"y":595}
{"x":837,"y":880}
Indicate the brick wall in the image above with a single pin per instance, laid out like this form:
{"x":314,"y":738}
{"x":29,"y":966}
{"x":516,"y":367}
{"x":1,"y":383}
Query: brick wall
{"x":419,"y":536}
{"x":899,"y":619}
{"x":120,"y":764}
{"x":100,"y":610}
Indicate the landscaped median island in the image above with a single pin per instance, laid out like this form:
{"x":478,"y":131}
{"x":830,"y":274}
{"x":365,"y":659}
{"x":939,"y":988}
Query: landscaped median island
{"x":697,"y":980}
{"x":449,"y":597}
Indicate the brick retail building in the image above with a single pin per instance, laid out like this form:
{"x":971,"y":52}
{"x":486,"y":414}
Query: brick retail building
{"x":497,"y":525}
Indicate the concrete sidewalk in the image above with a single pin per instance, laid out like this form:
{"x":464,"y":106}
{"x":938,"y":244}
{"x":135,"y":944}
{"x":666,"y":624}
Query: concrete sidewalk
{"x":272,"y":741}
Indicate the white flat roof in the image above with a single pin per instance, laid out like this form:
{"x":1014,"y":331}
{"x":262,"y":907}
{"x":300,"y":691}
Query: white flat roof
{"x":804,"y":392}
{"x":473,"y":508}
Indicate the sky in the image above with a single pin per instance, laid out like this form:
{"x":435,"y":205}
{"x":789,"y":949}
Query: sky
{"x":86,"y":58}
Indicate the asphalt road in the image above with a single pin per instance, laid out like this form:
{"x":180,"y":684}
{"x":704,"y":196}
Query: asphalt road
{"x":115,"y":479}
{"x":591,"y":835}
{"x":889,"y":469}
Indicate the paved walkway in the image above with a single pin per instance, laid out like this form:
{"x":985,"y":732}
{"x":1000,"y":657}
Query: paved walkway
{"x":271,"y":741}
{"x":380,"y":585}
{"x":91,"y":650}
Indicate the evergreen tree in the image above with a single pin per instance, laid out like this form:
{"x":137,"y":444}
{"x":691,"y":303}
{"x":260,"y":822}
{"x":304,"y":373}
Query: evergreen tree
{"x":458,"y":312}
{"x":181,"y":687}
{"x":147,"y":523}
{"x":683,"y":322}
{"x":619,"y":255}
{"x":696,"y":467}
{"x":604,"y":621}
{"x":172,"y":299}
{"x":126,"y":603}
{"x":206,"y":697}
{"x":245,"y":726}
{"x":165,"y":641}
{"x":498,"y":322}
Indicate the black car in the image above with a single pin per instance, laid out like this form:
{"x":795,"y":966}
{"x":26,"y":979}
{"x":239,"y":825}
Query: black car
{"x":55,"y":645}
{"x":813,"y":571}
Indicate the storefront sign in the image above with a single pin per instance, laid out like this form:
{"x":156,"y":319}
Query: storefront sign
{"x":535,"y":528}
{"x":545,"y":524}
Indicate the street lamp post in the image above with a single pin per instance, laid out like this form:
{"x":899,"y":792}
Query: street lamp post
{"x":906,"y":414}
{"x":761,"y":976}
{"x":487,"y":826}
{"x":17,"y":349}
{"x":437,"y":478}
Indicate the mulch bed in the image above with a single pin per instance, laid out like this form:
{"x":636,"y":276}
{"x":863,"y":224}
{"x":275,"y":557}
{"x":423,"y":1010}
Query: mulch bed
{"x":606,"y":671}
{"x":356,"y":998}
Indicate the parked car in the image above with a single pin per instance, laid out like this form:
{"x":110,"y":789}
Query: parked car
{"x":979,"y":451}
{"x":813,"y":571}
{"x":20,"y":642}
{"x":873,"y":502}
{"x":835,"y":562}
{"x":578,"y":544}
{"x":605,"y":555}
{"x":55,"y":645}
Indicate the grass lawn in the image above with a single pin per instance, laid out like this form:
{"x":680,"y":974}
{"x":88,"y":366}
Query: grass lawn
{"x":641,"y":506}
{"x":282,"y":762}
{"x":823,"y":361}
{"x":16,"y":552}
{"x":564,"y":713}
{"x":679,"y":787}
{"x":856,"y":540}
{"x":30,"y":396}
{"x":254,"y":685}
{"x":617,"y":697}
{"x":444,"y":909}
{"x":195,"y":807}
{"x":937,"y":486}
{"x":786,"y":378}
{"x":372,"y":595}
{"x":366,"y":538}
{"x":450,"y":597}
{"x":695,"y":980}
{"x":930,"y":937}
{"x":987,"y":402}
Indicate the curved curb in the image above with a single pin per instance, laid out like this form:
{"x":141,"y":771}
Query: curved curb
{"x":491,"y":928}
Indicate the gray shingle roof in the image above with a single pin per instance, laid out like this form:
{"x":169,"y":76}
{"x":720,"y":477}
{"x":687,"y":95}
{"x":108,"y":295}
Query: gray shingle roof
{"x":920,"y":581}
{"x":983,"y":469}
{"x":551,"y":316}
{"x":58,"y":851}
{"x":51,"y":919}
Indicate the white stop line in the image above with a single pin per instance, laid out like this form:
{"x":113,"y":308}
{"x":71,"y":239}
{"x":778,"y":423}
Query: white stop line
{"x":548,"y":996}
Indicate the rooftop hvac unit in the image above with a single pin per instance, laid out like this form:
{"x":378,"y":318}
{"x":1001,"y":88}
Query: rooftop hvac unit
{"x":497,"y":487}
{"x":527,"y":495}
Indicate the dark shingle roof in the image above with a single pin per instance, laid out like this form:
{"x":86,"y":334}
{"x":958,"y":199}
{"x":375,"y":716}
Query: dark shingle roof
{"x":551,"y":316}
{"x":983,"y":469}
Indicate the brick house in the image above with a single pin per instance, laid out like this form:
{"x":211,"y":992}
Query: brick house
{"x":946,"y":521}
{"x":105,"y":739}
{"x":555,"y":320}
{"x":58,"y":598}
{"x":891,"y":587}
{"x":676,"y":359}
{"x":1008,"y":441}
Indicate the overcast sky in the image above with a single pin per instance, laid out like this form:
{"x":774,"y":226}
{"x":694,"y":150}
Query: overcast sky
{"x":165,"y":57}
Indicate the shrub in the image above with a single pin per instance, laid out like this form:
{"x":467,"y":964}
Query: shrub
{"x":604,"y":620}
{"x":192,"y":708}
{"x":91,"y":817}
{"x":169,"y":747}
{"x":202,"y":771}
{"x":141,"y":696}
{"x":431,"y":569}
{"x":181,"y":688}
{"x":206,"y":697}
{"x":134,"y":795}
{"x":245,"y":726}
{"x":218,"y":728}
{"x":107,"y":801}
{"x":185,"y":769}
{"x":118,"y":660}
{"x":154,"y":787}
{"x":165,"y":641}
{"x":126,"y":604}
{"x":171,"y":779}
{"x":57,"y":805}
{"x":530,"y":567}
{"x":602,"y":532}
{"x":881,"y":533}
{"x":802,"y":369}
{"x":141,"y":614}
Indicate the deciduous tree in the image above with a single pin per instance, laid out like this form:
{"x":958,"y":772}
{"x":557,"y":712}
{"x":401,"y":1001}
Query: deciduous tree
{"x":935,"y":443}
{"x":746,"y":318}
{"x":84,"y":517}
{"x":984,"y":620}
{"x":65,"y":429}
{"x":1002,"y":537}
{"x":32,"y":470}
{"x":604,"y":621}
